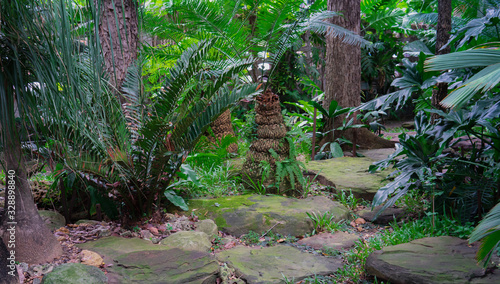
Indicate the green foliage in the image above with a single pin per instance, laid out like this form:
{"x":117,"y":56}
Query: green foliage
{"x":488,"y":232}
{"x":251,"y":238}
{"x":322,"y":222}
{"x":216,"y":181}
{"x":289,"y":169}
{"x":348,"y":200}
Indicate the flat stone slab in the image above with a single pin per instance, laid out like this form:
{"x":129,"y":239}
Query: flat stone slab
{"x":270,"y":264}
{"x":76,"y":273}
{"x":139,"y":261}
{"x":428,"y":260}
{"x":348,"y":173}
{"x":377,"y":154}
{"x":337,"y":241}
{"x":387,"y":216}
{"x":237,"y":215}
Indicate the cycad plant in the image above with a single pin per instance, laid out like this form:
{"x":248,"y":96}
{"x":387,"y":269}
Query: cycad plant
{"x":130,"y":152}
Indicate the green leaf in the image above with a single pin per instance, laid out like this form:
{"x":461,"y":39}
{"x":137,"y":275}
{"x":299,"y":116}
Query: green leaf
{"x":336,"y":151}
{"x":176,"y":200}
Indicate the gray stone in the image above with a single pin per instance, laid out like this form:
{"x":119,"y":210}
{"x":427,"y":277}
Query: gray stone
{"x":270,"y":264}
{"x":207,"y":226}
{"x":188,"y":240}
{"x":146,"y":235}
{"x":377,"y":154}
{"x":75,"y":273}
{"x":387,"y":216}
{"x":237,"y":215}
{"x":53,"y":219}
{"x":139,"y":261}
{"x":428,"y":260}
{"x":336,"y":241}
{"x":348,"y":173}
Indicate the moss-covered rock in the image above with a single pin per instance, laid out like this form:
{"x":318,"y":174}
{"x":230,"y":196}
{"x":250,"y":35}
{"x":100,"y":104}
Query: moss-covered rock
{"x":428,"y":260}
{"x":237,"y":215}
{"x":53,"y":219}
{"x":75,"y":273}
{"x":349,"y":173}
{"x":270,"y":264}
{"x":188,"y":240}
{"x":139,"y":261}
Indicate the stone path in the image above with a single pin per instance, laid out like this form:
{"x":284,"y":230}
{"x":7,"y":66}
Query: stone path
{"x":185,"y":256}
{"x":348,"y":173}
{"x":271,"y":264}
{"x":429,"y":260}
{"x":237,"y":215}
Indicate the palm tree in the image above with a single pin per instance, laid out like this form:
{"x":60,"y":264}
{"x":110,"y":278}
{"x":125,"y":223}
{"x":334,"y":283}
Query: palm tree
{"x":19,"y":28}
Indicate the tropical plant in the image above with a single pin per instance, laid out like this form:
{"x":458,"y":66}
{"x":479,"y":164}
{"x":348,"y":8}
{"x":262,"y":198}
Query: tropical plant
{"x":488,"y":232}
{"x":487,"y":56}
{"x":132,"y":151}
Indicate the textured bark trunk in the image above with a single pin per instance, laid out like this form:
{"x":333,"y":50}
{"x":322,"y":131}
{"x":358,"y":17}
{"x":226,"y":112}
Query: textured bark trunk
{"x":343,"y":74}
{"x":223,"y":126}
{"x":118,"y":35}
{"x":442,"y":37}
{"x":33,"y":241}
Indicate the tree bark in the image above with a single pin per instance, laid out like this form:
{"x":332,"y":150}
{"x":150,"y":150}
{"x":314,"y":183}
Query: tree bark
{"x":32,"y":241}
{"x":442,"y":37}
{"x":118,"y":33}
{"x":343,"y":74}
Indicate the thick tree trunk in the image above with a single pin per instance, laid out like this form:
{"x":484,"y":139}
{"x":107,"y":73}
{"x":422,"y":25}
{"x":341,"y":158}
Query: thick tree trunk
{"x":343,"y":74}
{"x":118,"y":33}
{"x":32,"y":241}
{"x":442,"y":37}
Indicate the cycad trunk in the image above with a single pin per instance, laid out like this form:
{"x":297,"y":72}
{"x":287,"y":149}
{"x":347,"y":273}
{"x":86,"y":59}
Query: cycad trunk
{"x":118,"y":33}
{"x":222,"y":126}
{"x":271,"y":131}
{"x":343,"y":75}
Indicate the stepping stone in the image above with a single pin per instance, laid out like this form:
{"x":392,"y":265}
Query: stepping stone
{"x":188,"y":240}
{"x":75,"y":273}
{"x":386,"y":217}
{"x":270,"y":264}
{"x":336,"y":241}
{"x":377,"y":154}
{"x":348,"y":173}
{"x":428,"y":260}
{"x":53,"y":219}
{"x":237,"y":215}
{"x":139,"y":261}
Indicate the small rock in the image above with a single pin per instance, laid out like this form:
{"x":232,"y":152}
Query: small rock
{"x":156,"y":240}
{"x":91,"y":258}
{"x":338,"y":241}
{"x":207,"y":226}
{"x":387,"y":216}
{"x":146,"y":235}
{"x":126,"y":234}
{"x":359,"y":221}
{"x":54,"y":220}
{"x":408,"y":125}
{"x":103,"y":231}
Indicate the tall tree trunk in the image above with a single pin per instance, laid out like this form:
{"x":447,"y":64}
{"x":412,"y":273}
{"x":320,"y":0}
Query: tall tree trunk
{"x":442,"y":37}
{"x":118,"y":33}
{"x":32,"y":241}
{"x":343,"y":74}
